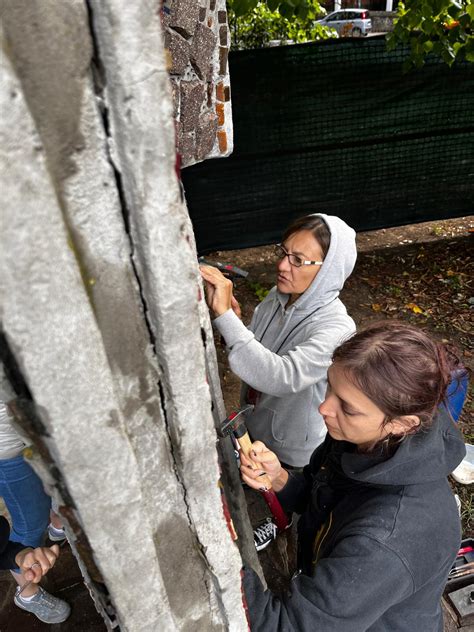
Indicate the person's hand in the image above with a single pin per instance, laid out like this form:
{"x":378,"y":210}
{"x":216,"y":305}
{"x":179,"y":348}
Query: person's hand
{"x":262,"y":470}
{"x":34,"y":563}
{"x":218,"y":290}
{"x":236,"y":307}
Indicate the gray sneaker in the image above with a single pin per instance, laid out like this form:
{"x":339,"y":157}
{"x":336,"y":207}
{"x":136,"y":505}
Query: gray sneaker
{"x":56,"y":535}
{"x":46,"y":607}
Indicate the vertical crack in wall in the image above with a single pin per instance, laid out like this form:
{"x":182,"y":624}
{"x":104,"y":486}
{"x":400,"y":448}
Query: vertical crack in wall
{"x":100,"y":82}
{"x":29,"y":417}
{"x":99,"y":76}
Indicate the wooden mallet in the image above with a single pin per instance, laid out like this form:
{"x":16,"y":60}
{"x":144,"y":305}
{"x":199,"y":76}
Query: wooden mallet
{"x":235,"y":424}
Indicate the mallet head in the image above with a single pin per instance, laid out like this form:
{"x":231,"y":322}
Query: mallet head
{"x":235,"y":422}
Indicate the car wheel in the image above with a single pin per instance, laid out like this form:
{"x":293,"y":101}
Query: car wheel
{"x":356,"y":32}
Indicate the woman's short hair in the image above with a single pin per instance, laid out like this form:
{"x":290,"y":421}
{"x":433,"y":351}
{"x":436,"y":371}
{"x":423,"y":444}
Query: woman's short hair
{"x":316,"y":225}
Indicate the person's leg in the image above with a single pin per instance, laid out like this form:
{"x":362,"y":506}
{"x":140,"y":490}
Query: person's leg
{"x":28,"y":505}
{"x":56,"y":531}
{"x":56,"y":521}
{"x":26,"y":501}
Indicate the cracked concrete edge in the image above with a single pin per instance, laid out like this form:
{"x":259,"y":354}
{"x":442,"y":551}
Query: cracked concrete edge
{"x":100,"y":247}
{"x":129,"y":43}
{"x":45,"y":312}
{"x":235,"y":496}
{"x":97,"y":235}
{"x":103,"y":247}
{"x":89,"y":274}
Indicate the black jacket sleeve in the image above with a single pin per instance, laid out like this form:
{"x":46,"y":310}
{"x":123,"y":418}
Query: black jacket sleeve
{"x":8,"y":550}
{"x":349,"y":591}
{"x":297,"y":491}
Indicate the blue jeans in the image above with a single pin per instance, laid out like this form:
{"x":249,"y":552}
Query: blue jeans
{"x":26,"y":501}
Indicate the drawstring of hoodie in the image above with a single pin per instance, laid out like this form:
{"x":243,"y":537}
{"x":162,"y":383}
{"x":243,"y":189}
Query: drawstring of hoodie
{"x":269,"y":323}
{"x":296,"y":327}
{"x":283,"y":331}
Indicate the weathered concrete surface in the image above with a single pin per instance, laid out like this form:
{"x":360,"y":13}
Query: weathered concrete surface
{"x":171,"y":453}
{"x":230,"y":475}
{"x":92,"y":211}
{"x":164,"y":256}
{"x":45,"y":314}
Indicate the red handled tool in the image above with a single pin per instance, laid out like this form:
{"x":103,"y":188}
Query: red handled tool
{"x":227,"y":269}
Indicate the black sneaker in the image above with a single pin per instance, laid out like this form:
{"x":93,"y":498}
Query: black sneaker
{"x":265,"y":533}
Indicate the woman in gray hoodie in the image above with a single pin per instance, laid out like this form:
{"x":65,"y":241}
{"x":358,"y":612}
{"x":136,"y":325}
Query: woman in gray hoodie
{"x":283,"y":356}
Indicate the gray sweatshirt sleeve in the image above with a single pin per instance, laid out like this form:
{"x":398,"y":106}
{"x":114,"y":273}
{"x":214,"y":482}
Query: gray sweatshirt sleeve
{"x":350,"y":590}
{"x":294,"y":371}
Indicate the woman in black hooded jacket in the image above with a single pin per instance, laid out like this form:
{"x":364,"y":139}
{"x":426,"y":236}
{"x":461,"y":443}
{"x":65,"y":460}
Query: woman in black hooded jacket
{"x":379,"y":527}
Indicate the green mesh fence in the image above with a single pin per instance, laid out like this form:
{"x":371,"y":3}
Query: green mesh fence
{"x":336,"y":127}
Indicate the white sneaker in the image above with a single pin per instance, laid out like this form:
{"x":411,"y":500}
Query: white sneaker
{"x":464,"y":473}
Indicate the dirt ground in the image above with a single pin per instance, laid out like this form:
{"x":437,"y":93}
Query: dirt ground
{"x":421,"y":273}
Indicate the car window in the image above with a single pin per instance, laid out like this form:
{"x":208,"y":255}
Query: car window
{"x":352,"y":15}
{"x":333,"y":18}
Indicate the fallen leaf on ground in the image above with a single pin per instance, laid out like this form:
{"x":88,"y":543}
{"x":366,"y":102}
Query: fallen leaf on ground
{"x":414,"y":308}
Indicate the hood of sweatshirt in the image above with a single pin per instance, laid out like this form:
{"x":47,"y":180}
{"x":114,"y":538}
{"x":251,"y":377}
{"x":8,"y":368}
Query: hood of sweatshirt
{"x":421,"y":458}
{"x":337,"y":266}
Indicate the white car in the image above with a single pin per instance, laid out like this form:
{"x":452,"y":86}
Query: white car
{"x":349,"y":22}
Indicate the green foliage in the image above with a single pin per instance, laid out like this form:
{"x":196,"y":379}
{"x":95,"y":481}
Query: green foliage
{"x":260,"y":290}
{"x":263,"y":23}
{"x":440,"y":27}
{"x":286,"y":8}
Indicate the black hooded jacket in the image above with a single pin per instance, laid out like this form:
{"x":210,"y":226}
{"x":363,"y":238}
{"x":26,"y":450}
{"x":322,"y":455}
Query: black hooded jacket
{"x":377,"y":538}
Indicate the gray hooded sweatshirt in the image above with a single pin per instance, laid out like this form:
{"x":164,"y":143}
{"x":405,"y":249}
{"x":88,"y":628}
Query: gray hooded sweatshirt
{"x":285,"y":353}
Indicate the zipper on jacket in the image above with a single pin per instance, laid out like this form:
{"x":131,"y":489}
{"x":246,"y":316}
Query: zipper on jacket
{"x":320,"y":537}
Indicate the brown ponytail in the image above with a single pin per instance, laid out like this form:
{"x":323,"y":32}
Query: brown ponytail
{"x":400,"y":368}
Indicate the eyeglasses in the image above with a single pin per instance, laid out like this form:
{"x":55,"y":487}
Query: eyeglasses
{"x":294,"y":260}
